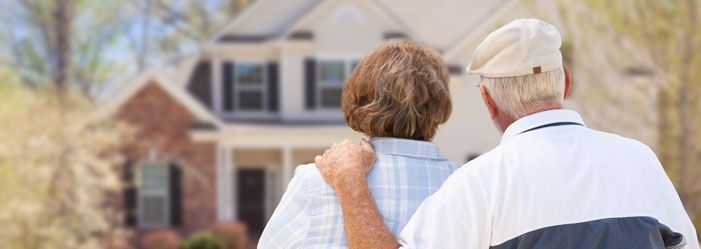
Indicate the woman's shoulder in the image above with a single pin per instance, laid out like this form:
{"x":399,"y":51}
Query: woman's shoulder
{"x":309,"y":174}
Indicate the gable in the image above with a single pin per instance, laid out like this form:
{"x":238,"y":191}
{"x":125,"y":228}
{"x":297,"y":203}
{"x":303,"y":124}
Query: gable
{"x":150,"y":80}
{"x":441,"y":23}
{"x":265,"y":19}
{"x":152,"y":108}
{"x":348,"y":26}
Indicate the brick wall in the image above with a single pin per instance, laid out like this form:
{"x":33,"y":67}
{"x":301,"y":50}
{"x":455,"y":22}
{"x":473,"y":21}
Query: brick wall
{"x":162,"y":125}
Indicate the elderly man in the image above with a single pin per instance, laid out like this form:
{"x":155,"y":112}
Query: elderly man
{"x":551,"y":183}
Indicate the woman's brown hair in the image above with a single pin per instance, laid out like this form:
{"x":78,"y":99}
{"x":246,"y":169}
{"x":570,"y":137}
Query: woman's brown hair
{"x":398,"y":90}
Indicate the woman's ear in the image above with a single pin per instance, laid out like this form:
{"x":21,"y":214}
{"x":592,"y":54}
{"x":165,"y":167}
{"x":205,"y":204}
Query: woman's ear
{"x":568,"y":80}
{"x":489,"y":102}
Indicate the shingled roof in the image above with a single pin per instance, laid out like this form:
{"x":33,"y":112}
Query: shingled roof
{"x":440,"y":23}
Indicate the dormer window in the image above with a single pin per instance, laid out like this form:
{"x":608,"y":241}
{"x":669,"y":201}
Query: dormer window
{"x":332,"y":74}
{"x":250,"y":89}
{"x":250,"y":86}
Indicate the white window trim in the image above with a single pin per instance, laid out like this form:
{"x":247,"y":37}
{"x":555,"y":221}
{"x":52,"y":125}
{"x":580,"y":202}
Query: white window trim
{"x":141,"y":193}
{"x":237,"y":112}
{"x":347,"y":60}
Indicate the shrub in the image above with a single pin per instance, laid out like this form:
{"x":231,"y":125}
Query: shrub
{"x":202,"y":240}
{"x":162,"y":239}
{"x":232,"y":233}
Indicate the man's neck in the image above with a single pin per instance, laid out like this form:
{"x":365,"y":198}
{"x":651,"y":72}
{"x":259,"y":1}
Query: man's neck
{"x":507,"y":121}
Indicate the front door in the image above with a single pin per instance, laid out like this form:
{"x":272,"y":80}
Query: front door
{"x":251,"y":201}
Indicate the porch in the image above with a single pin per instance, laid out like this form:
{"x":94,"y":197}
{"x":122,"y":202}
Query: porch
{"x":255,"y":163}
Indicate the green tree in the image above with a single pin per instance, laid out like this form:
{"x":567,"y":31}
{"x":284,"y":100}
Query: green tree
{"x":65,"y":43}
{"x":655,"y":47}
{"x":170,"y":30}
{"x":56,"y":168}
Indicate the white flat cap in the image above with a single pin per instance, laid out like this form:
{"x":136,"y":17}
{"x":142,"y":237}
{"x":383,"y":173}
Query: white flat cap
{"x":522,"y":47}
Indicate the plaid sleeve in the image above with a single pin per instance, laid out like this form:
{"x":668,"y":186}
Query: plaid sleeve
{"x":289,"y":224}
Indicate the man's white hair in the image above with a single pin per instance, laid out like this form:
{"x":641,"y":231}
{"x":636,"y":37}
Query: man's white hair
{"x":520,"y":96}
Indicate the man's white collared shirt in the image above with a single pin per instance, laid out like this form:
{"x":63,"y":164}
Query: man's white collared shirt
{"x":555,"y":186}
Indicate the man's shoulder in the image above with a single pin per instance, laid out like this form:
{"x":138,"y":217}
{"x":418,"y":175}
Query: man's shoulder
{"x":612,"y":140}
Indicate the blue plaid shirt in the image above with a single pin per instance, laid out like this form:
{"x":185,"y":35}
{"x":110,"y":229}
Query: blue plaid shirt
{"x":309,"y":215}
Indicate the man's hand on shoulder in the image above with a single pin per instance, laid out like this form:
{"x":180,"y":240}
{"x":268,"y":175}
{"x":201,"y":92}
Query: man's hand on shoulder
{"x":345,"y":166}
{"x":346,"y":163}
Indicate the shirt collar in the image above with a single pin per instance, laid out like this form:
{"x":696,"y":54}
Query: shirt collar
{"x":406,"y":147}
{"x":538,"y":119}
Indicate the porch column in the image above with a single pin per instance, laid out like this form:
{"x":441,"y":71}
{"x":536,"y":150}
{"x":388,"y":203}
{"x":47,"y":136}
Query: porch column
{"x":286,"y":166}
{"x":233,"y":186}
{"x":225,"y":190}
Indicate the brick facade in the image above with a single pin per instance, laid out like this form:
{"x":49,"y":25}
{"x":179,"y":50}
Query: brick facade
{"x":162,"y":125}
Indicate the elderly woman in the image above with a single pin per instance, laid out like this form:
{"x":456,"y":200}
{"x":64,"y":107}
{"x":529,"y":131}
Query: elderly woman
{"x":398,"y":96}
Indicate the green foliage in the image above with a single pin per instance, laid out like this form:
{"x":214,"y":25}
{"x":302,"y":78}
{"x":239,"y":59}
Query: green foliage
{"x":105,"y":40}
{"x":33,"y":47}
{"x":232,"y":233}
{"x":162,"y":239}
{"x":56,"y":168}
{"x":639,"y":61}
{"x":203,"y":240}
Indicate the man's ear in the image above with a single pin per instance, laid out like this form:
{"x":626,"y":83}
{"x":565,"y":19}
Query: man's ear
{"x":489,"y":102}
{"x":568,"y":80}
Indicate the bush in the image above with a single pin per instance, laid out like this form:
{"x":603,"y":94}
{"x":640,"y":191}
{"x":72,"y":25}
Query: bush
{"x":202,"y":240}
{"x":162,"y":239}
{"x":232,"y":233}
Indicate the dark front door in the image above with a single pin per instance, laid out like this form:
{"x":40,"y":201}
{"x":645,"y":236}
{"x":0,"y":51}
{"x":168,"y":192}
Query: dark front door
{"x":251,"y":202}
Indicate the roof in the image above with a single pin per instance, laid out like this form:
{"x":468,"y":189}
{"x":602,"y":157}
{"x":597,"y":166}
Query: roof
{"x":440,"y":23}
{"x":271,"y":18}
{"x":113,"y":104}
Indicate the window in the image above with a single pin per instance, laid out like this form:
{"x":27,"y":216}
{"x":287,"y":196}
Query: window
{"x":332,"y":74}
{"x":154,"y":203}
{"x":250,"y":87}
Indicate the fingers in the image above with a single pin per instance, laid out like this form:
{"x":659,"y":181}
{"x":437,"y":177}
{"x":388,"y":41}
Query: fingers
{"x":318,"y":160}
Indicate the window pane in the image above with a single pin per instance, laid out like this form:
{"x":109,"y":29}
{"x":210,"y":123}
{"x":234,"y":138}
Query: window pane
{"x":332,"y":72}
{"x":251,"y":100}
{"x":353,"y":65}
{"x":154,"y":177}
{"x":153,"y":210}
{"x":249,"y":74}
{"x":331,"y":97}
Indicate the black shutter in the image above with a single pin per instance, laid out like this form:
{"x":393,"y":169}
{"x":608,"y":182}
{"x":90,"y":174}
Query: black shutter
{"x":273,"y":86}
{"x":175,"y":194}
{"x":228,"y":76}
{"x":310,"y":83}
{"x":130,"y":194}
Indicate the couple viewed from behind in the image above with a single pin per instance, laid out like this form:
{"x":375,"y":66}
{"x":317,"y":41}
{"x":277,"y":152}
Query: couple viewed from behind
{"x":552,"y":182}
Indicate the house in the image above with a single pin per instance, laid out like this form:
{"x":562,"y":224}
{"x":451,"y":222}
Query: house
{"x":220,"y":137}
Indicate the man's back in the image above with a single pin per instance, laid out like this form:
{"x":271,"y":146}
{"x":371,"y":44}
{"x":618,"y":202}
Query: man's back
{"x":405,"y":173}
{"x":557,"y":186}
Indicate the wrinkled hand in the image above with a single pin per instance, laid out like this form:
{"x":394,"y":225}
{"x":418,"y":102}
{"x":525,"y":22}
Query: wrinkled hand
{"x":346,"y":163}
